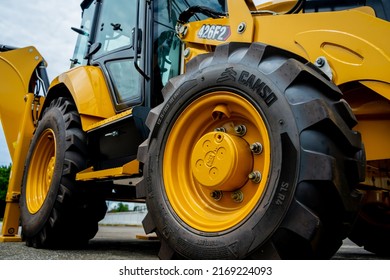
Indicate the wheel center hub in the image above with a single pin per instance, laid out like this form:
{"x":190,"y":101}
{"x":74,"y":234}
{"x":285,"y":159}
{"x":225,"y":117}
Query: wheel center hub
{"x":221,"y":161}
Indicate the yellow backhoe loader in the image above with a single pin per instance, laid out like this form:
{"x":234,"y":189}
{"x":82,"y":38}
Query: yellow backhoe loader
{"x":251,"y":132}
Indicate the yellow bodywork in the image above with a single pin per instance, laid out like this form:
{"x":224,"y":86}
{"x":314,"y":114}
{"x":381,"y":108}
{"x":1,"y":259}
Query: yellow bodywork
{"x":129,"y":168}
{"x":17,"y":68}
{"x":88,"y":88}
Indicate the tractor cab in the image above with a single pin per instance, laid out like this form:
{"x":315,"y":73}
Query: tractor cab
{"x":135,"y":45}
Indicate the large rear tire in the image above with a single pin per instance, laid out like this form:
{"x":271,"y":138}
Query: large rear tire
{"x":55,"y":210}
{"x":251,"y":155}
{"x":372,"y":227}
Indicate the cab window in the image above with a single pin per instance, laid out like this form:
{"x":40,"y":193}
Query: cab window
{"x":115,"y":53}
{"x":167,"y":47}
{"x":84,"y":32}
{"x":115,"y":25}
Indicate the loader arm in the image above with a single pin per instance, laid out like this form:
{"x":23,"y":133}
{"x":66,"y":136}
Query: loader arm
{"x":17,"y":68}
{"x":353,"y":53}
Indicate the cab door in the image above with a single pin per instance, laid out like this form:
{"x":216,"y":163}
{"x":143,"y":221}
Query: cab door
{"x":111,"y":47}
{"x":114,"y":51}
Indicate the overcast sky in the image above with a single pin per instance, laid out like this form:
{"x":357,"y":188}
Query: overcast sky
{"x":45,"y":25}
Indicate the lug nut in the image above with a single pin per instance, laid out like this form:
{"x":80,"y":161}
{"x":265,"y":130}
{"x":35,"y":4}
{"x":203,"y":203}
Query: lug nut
{"x":256,"y":148}
{"x":255,"y":176}
{"x":238,"y":196}
{"x":216,"y":195}
{"x":240,"y":130}
{"x":220,"y":129}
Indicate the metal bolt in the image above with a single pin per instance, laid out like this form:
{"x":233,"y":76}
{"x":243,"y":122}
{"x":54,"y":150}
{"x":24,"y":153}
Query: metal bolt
{"x":187,"y":52}
{"x":218,"y":137}
{"x":216,"y":195}
{"x":255,"y":176}
{"x":256,"y":148}
{"x":240,"y":130}
{"x":238,"y":196}
{"x":220,"y":129}
{"x":15,"y":196}
{"x":241,"y":27}
{"x":183,"y":30}
{"x":320,"y":62}
{"x":323,"y":64}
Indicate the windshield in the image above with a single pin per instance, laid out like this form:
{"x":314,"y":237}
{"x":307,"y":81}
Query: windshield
{"x":83,"y":38}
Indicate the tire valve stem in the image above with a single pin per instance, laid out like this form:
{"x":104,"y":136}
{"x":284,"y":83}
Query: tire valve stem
{"x":256,"y":148}
{"x":238,"y":196}
{"x":216,"y":195}
{"x":255,"y":176}
{"x":240,"y":130}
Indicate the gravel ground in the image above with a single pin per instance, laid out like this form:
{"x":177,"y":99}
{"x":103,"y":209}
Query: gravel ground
{"x":120,"y":243}
{"x":110,"y":243}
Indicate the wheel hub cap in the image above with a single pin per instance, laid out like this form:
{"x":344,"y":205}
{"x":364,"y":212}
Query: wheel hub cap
{"x":221,"y":161}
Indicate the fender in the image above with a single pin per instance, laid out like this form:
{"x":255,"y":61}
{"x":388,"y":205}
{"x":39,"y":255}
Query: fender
{"x":88,"y":88}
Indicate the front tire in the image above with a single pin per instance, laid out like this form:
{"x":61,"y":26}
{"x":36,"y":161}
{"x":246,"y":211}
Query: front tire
{"x":55,"y":210}
{"x":278,"y":189}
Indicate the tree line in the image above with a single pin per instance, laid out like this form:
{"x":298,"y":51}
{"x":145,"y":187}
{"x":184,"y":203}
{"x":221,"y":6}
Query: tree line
{"x":4,"y":178}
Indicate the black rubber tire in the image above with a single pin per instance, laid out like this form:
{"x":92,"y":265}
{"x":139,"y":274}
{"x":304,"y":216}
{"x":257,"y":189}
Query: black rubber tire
{"x":309,"y":195}
{"x":69,"y":214}
{"x":372,"y":229}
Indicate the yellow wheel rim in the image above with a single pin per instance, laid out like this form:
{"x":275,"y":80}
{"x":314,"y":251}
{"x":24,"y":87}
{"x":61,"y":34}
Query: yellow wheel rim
{"x":216,"y":162}
{"x":40,"y":171}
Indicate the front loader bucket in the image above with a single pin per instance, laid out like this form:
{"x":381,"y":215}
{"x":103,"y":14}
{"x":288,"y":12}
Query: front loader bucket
{"x":16,"y":69}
